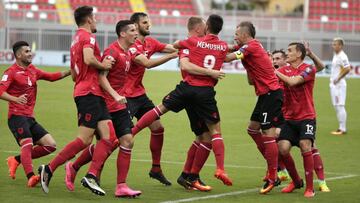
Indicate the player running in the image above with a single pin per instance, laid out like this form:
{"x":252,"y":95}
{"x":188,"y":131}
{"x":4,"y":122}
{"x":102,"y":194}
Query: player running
{"x":18,"y":86}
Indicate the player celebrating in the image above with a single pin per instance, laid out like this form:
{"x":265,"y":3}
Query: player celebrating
{"x":200,"y":90}
{"x":267,"y":113}
{"x":18,"y":86}
{"x":137,"y":100}
{"x":92,"y":111}
{"x":340,"y":67}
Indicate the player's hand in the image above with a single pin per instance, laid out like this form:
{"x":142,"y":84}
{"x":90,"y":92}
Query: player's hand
{"x":174,"y":55}
{"x":21,"y":99}
{"x":120,"y":99}
{"x":307,"y":48}
{"x":108,"y":62}
{"x":217,"y":74}
{"x":336,"y":81}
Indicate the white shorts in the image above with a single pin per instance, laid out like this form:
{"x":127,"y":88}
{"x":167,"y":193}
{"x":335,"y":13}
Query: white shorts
{"x":338,"y":94}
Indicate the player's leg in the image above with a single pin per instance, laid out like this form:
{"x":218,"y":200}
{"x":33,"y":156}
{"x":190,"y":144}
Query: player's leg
{"x":319,"y":169}
{"x":282,"y":173}
{"x":338,"y":97}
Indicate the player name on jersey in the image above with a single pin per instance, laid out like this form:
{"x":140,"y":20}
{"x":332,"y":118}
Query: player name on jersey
{"x":216,"y":47}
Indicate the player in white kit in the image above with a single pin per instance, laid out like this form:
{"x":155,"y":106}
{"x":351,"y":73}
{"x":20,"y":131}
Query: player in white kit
{"x":340,"y":67}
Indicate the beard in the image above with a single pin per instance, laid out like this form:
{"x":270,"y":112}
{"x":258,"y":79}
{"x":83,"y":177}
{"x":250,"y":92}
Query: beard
{"x":144,"y":32}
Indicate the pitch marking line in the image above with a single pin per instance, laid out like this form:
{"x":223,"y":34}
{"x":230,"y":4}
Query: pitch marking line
{"x":244,"y":191}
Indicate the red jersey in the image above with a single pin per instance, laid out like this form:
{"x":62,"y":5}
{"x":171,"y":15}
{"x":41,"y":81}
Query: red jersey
{"x":183,"y":53}
{"x":298,"y":100}
{"x":259,"y":67}
{"x":117,"y":74}
{"x":133,"y":85}
{"x":207,"y":52}
{"x":87,"y":78}
{"x":17,"y":81}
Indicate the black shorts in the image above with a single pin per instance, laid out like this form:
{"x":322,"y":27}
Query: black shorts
{"x":197,"y":125}
{"x":138,"y":106}
{"x":91,"y":109}
{"x":294,"y":131}
{"x":122,"y":122}
{"x":26,"y":127}
{"x":202,"y":100}
{"x":268,"y":110}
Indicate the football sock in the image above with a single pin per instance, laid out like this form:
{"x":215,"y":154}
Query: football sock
{"x":84,"y":158}
{"x":341,"y":115}
{"x":219,"y":150}
{"x":190,"y":157}
{"x":25,"y":155}
{"x":69,"y":152}
{"x":271,"y":155}
{"x":156,"y":144}
{"x":123,"y":164}
{"x":147,"y":119}
{"x":38,"y":151}
{"x":201,"y":156}
{"x":290,"y":167}
{"x":318,"y":164}
{"x":309,"y":167}
{"x":257,"y":137}
{"x":102,"y":151}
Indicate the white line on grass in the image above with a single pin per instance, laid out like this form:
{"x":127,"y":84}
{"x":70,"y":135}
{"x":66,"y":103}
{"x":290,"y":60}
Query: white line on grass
{"x":243,"y":191}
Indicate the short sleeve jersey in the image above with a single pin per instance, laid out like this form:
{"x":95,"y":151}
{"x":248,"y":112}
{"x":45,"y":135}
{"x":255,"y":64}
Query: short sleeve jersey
{"x":117,"y":74}
{"x":207,"y":52}
{"x":183,"y":53}
{"x":87,"y":77}
{"x":298,"y":100}
{"x":259,"y":67}
{"x":17,"y":81}
{"x":339,"y":62}
{"x":134,"y":86}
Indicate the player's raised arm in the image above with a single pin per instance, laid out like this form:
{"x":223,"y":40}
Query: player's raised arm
{"x":316,"y":60}
{"x":141,"y":59}
{"x":90,"y":60}
{"x":191,"y":68}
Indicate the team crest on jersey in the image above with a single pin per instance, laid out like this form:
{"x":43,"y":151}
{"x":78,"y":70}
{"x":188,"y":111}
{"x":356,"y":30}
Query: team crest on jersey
{"x":29,"y":82}
{"x":132,"y":50}
{"x":4,"y":78}
{"x":185,"y":51}
{"x":92,"y":40}
{"x":308,"y":70}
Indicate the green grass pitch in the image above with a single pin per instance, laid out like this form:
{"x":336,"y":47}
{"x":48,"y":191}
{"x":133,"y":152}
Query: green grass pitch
{"x":55,"y":110}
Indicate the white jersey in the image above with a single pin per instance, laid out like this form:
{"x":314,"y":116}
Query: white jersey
{"x":339,"y":62}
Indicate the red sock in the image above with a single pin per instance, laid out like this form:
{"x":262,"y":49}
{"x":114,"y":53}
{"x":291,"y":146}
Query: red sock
{"x":40,"y":151}
{"x":281,"y":164}
{"x":257,"y":137}
{"x":102,"y":151}
{"x":69,"y":151}
{"x":25,"y":156}
{"x":201,"y":155}
{"x":147,"y":119}
{"x":271,"y":155}
{"x":219,"y":150}
{"x":123,"y":164}
{"x":309,"y":167}
{"x":84,"y":158}
{"x":318,"y":164}
{"x":156,"y":144}
{"x":290,"y":167}
{"x":190,"y":157}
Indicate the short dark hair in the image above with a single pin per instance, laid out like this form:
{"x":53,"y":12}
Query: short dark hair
{"x":215,"y":23}
{"x":135,"y":17}
{"x":194,"y":21}
{"x":299,"y":47}
{"x":250,"y":28}
{"x":17,"y":45}
{"x":281,"y":51}
{"x":122,"y":26}
{"x":81,"y":13}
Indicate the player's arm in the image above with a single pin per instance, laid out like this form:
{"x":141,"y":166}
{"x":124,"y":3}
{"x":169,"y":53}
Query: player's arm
{"x":141,"y":59}
{"x":344,"y":70}
{"x":53,"y":76}
{"x":290,"y":81}
{"x":191,"y":68}
{"x":176,"y":44}
{"x":316,"y":60}
{"x":91,"y":60}
{"x":73,"y":74}
{"x":249,"y":79}
{"x":237,"y":55}
{"x":105,"y":84}
{"x":20,"y":99}
{"x":4,"y":85}
{"x":169,"y":48}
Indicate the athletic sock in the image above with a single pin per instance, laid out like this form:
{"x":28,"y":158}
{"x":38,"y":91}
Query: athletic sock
{"x":219,"y":150}
{"x":290,"y":167}
{"x":271,"y":155}
{"x":201,"y":155}
{"x":123,"y":164}
{"x":102,"y":151}
{"x":69,"y":152}
{"x":257,"y":137}
{"x":309,"y":167}
{"x":190,"y":157}
{"x":156,"y":144}
{"x":25,"y":155}
{"x":341,"y":115}
{"x":147,"y":119}
{"x":318,"y":164}
{"x":84,"y":158}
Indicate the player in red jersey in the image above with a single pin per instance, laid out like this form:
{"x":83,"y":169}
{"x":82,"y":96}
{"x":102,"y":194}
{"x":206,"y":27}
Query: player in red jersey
{"x":113,"y":82}
{"x":137,"y":100}
{"x":267,"y":113}
{"x":208,"y":53}
{"x":88,"y":96}
{"x":299,"y":112}
{"x":18,"y":86}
